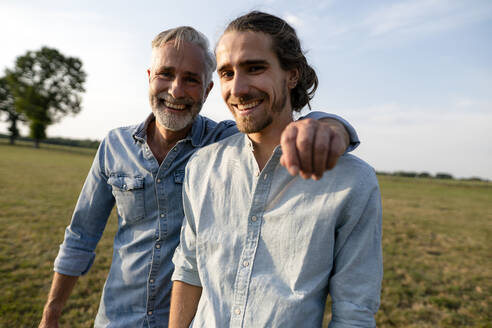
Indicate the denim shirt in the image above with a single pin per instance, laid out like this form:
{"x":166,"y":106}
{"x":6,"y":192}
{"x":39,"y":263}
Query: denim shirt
{"x":150,"y":213}
{"x":266,"y":247}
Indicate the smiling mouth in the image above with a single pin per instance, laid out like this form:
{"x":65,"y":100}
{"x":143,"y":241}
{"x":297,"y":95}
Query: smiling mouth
{"x":247,"y":107}
{"x":174,"y":106}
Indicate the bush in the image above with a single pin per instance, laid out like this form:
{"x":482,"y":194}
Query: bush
{"x":444,"y":176}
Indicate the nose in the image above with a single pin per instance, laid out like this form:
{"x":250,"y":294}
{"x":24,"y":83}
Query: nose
{"x":239,"y":86}
{"x":177,"y":89}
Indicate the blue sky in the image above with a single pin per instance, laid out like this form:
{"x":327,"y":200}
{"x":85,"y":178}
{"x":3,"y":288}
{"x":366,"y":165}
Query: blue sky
{"x":413,"y":77}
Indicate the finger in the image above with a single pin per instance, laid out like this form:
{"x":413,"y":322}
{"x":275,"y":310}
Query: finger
{"x":321,"y":149}
{"x":304,"y":142}
{"x":337,"y":148}
{"x":290,"y":159}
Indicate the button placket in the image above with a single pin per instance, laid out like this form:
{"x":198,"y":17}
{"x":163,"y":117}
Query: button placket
{"x":246,"y":261}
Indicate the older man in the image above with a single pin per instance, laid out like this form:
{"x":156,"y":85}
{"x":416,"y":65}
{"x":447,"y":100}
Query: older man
{"x":141,"y":169}
{"x":266,"y":250}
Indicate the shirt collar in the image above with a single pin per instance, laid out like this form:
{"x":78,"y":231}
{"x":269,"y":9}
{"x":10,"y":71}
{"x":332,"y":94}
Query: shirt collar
{"x":196,"y":134}
{"x":140,"y":132}
{"x":277,"y":151}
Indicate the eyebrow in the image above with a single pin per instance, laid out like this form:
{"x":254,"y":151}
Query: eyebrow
{"x":172,"y":69}
{"x":249,"y":62}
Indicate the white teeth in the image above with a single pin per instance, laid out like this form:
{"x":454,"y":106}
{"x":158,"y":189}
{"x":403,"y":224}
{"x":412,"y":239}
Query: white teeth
{"x":248,"y":106}
{"x":174,"y":106}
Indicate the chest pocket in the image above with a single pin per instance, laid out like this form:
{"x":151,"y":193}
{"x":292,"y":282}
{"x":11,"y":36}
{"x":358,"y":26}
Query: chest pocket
{"x":129,"y":195}
{"x":179,"y":176}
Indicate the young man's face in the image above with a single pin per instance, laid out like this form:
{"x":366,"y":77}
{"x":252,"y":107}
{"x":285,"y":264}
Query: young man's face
{"x":254,"y":86}
{"x":177,"y":84}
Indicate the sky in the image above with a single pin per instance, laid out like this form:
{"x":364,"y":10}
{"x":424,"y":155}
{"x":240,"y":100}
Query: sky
{"x":413,"y":77}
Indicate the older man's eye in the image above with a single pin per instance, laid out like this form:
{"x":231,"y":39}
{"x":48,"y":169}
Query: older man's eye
{"x":165,"y":74}
{"x":192,"y":80}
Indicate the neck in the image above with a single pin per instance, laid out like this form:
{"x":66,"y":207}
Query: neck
{"x":162,"y":140}
{"x":266,"y":140}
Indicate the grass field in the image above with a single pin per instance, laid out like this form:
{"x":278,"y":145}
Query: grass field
{"x":437,"y":239}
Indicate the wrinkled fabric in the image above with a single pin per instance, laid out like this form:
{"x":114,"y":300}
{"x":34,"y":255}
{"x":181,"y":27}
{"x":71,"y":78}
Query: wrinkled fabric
{"x":150,"y":212}
{"x":267,"y":248}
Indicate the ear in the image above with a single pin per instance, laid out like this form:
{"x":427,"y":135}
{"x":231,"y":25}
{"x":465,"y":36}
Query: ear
{"x":292,"y":78}
{"x":148,"y":73}
{"x":209,"y":87}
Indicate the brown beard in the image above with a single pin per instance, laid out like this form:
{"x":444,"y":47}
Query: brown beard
{"x":254,"y":125}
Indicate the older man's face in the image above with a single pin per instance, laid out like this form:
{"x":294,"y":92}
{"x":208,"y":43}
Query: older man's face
{"x":177,"y":84}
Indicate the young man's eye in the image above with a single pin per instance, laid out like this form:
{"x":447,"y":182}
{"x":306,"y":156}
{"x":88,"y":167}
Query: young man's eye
{"x":254,"y":69}
{"x":226,"y":74}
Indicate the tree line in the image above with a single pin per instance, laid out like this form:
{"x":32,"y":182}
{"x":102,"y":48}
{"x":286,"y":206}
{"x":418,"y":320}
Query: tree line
{"x":84,"y":143}
{"x":42,"y":87}
{"x":439,"y":175}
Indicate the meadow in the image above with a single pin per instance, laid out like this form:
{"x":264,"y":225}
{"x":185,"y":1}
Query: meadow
{"x":437,"y":238}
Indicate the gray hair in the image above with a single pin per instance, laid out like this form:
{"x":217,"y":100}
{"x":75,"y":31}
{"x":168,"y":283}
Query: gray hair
{"x":188,"y":34}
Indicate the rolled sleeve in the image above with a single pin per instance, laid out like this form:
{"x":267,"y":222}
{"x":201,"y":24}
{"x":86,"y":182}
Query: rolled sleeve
{"x":184,"y":259}
{"x":355,"y":285}
{"x":89,"y":219}
{"x":354,"y":138}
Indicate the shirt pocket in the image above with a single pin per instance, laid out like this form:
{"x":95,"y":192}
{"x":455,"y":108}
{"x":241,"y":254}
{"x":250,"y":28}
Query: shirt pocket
{"x":129,"y":195}
{"x":179,"y":176}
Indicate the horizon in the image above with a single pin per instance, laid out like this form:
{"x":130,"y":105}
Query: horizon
{"x":413,"y":77}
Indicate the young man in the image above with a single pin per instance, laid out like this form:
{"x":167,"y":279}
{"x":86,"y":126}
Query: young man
{"x":259,"y":247}
{"x":140,"y":168}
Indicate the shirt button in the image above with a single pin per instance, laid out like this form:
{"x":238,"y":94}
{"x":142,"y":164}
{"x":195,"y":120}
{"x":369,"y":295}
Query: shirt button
{"x":254,"y":218}
{"x":158,"y":246}
{"x":151,"y":281}
{"x":162,"y":215}
{"x":245,"y":263}
{"x":237,"y":311}
{"x":158,"y":180}
{"x":124,"y":186}
{"x":149,"y":313}
{"x":257,"y":173}
{"x":265,"y":176}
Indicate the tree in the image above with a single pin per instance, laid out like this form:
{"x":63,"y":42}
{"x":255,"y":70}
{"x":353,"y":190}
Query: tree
{"x":46,"y":86}
{"x":7,"y":105}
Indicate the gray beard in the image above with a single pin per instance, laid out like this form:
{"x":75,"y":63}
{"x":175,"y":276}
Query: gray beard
{"x":173,"y":122}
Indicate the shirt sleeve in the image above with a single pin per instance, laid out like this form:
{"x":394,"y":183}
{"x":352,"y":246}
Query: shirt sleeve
{"x":355,"y":284}
{"x":354,"y":138}
{"x":89,"y":219}
{"x":184,"y":259}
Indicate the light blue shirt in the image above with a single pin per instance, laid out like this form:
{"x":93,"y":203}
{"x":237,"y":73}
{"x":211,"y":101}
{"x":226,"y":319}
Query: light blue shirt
{"x":149,"y":205}
{"x":267,"y":247}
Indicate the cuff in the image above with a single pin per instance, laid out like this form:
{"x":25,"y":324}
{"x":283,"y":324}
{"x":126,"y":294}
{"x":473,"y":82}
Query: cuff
{"x":188,"y":277}
{"x":73,"y":262}
{"x":354,"y":138}
{"x":349,"y":315}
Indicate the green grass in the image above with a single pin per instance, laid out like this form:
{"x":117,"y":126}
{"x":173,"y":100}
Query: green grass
{"x":38,"y":190}
{"x":437,"y":237}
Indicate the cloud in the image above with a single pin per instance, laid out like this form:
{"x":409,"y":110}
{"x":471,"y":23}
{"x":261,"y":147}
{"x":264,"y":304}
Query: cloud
{"x":424,"y":16}
{"x":396,"y":137}
{"x":294,"y":20}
